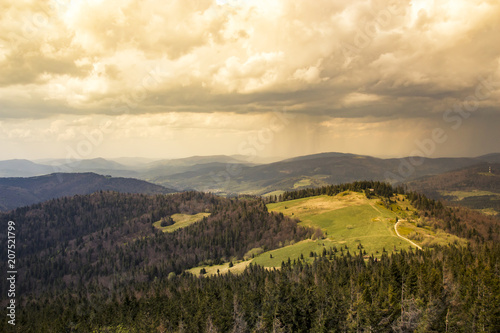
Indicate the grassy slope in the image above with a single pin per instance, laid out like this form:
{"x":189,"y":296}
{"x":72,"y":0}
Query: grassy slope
{"x":348,"y":219}
{"x":181,"y":221}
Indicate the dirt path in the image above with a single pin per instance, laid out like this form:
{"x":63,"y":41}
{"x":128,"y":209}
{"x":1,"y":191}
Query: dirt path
{"x":406,"y":239}
{"x":376,"y":209}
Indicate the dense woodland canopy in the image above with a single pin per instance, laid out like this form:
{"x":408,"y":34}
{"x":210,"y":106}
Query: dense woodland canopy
{"x":109,"y":238}
{"x":444,"y":289}
{"x":96,"y":263}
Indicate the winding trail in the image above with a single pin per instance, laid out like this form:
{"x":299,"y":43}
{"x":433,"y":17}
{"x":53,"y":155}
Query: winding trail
{"x":406,"y":239}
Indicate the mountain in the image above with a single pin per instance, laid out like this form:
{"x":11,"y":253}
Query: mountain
{"x":16,"y":192}
{"x":306,"y":171}
{"x":194,"y":160}
{"x":490,"y":158}
{"x":161,"y":171}
{"x":97,"y":165}
{"x":228,"y":175}
{"x":23,"y":168}
{"x":476,"y":187}
{"x":133,"y":161}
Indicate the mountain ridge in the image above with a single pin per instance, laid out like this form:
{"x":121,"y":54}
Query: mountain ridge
{"x":16,"y":192}
{"x":228,"y":175}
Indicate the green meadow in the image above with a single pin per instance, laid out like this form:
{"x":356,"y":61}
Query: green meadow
{"x":351,"y":223}
{"x":347,"y":219}
{"x":181,"y":221}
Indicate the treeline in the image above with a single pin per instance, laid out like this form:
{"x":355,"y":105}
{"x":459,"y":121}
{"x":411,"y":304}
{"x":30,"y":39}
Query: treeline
{"x":59,"y":223}
{"x":441,"y":290}
{"x":481,"y":202}
{"x":108,"y":238}
{"x":377,"y":188}
{"x":457,"y":220}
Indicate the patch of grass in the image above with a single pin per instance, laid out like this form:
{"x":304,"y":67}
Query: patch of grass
{"x":460,"y":195}
{"x":427,"y":236}
{"x":346,"y":219}
{"x":404,"y":231}
{"x":488,"y":211}
{"x":181,"y":221}
{"x":253,"y":252}
{"x":273,"y":193}
{"x":302,"y":183}
{"x":486,"y":174}
{"x":306,"y":207}
{"x":293,"y":252}
{"x":350,"y":219}
{"x":238,"y":268}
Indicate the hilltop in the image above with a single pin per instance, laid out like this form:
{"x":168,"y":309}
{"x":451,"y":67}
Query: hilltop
{"x":474,"y":187}
{"x":16,"y":192}
{"x":231,"y":175}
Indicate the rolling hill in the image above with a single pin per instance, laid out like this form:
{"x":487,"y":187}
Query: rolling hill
{"x":23,"y":168}
{"x":230,"y":175}
{"x":322,"y":253}
{"x":307,"y":171}
{"x":474,"y":187}
{"x":16,"y":192}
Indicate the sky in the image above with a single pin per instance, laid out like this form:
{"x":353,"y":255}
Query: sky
{"x":169,"y":79}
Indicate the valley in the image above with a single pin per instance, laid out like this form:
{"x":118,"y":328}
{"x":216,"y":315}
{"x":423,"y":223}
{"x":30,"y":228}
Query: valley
{"x":287,"y":252}
{"x":28,"y":182}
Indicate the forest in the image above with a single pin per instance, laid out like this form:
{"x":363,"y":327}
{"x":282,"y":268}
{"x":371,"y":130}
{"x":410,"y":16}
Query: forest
{"x":441,"y":290}
{"x":95,"y":263}
{"x":108,"y":237}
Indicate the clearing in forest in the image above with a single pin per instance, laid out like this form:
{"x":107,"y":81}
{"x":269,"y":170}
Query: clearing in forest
{"x":181,"y":221}
{"x":348,"y":219}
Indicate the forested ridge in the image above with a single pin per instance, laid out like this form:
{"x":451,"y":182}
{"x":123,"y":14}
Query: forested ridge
{"x":108,"y":238}
{"x":479,"y":185}
{"x":95,"y":263}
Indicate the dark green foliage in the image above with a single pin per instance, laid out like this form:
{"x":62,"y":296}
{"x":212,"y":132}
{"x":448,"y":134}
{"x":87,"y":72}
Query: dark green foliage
{"x":454,"y":289}
{"x":108,"y":238}
{"x":370,"y":188}
{"x":166,"y":221}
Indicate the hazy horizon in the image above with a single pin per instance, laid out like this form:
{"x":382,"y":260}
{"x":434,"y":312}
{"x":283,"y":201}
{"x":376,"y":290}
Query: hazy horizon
{"x":93,"y":78}
{"x":250,"y":158}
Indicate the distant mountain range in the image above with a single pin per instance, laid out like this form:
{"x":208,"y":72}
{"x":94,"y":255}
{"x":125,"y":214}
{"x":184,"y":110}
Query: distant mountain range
{"x":307,"y":171}
{"x":227,"y":175}
{"x":17,"y":192}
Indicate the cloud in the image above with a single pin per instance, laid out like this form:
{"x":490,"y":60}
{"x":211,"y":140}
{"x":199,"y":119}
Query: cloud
{"x":368,"y":61}
{"x":87,"y":55}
